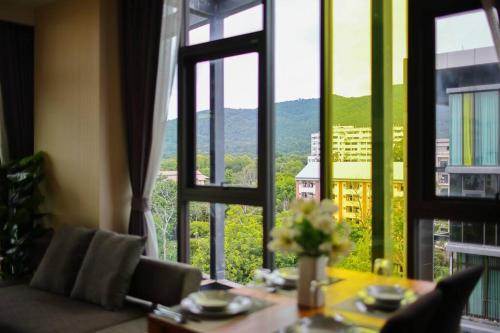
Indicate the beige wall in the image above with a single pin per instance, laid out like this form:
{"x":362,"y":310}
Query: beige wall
{"x":14,"y":13}
{"x":77,"y":113}
{"x":115,"y":185}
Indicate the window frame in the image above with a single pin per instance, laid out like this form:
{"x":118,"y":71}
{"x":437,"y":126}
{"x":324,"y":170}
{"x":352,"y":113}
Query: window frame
{"x":262,"y":43}
{"x":424,"y":205}
{"x":381,"y":119}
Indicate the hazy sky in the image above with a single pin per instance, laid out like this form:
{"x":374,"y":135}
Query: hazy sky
{"x":298,"y":46}
{"x":462,"y":32}
{"x":297,"y":56}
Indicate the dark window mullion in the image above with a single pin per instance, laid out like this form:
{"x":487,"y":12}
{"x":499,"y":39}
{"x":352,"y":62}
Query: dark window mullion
{"x":185,"y":142}
{"x":266,"y":130}
{"x":217,"y":210}
{"x":382,"y":127}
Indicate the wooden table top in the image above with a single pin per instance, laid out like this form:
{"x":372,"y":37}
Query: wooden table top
{"x":285,"y":311}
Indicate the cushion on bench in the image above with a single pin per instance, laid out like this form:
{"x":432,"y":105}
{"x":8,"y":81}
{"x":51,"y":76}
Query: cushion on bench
{"x":164,"y":282}
{"x":27,"y":310}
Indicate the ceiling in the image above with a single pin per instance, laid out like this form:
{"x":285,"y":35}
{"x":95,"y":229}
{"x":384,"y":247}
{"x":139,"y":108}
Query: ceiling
{"x":25,"y":3}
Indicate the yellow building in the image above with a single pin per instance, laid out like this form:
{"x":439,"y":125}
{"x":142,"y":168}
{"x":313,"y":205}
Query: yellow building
{"x":351,"y":186}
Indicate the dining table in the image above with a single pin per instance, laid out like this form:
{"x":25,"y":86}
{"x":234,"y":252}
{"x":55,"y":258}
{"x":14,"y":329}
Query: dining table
{"x":280,"y":309}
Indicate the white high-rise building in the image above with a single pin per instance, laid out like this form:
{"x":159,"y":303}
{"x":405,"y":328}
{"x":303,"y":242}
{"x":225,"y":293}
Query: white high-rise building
{"x":352,"y":144}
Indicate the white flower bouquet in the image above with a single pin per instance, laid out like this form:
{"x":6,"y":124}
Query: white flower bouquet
{"x":312,"y":231}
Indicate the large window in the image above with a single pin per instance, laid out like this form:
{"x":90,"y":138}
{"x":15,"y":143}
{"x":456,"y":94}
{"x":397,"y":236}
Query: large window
{"x":364,"y":125}
{"x":350,"y":108}
{"x":226,"y":121}
{"x":467,"y":105}
{"x":342,"y":157}
{"x":454,"y":166}
{"x":220,"y":241}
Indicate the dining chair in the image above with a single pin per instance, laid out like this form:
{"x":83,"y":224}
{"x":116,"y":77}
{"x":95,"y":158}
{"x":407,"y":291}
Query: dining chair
{"x":415,"y":317}
{"x":456,"y":290}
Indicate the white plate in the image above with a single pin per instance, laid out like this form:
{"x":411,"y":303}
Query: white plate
{"x":235,"y":304}
{"x":386,"y":293}
{"x":388,"y":298}
{"x":289,"y":274}
{"x":286,"y":277}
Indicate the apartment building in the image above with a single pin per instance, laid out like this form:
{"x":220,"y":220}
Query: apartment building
{"x":442,"y":160}
{"x":352,"y":144}
{"x":172,"y":175}
{"x":471,"y":168}
{"x":351,"y":186}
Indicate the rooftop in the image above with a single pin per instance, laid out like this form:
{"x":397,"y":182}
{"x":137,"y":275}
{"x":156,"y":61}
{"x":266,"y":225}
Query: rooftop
{"x":479,"y":56}
{"x":347,"y":171}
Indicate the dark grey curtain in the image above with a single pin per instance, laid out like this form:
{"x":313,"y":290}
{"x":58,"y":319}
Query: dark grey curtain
{"x":16,"y":78}
{"x":140,"y":37}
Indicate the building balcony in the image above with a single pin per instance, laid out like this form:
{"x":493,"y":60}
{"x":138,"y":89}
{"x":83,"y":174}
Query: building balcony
{"x":477,"y":249}
{"x":472,"y":169}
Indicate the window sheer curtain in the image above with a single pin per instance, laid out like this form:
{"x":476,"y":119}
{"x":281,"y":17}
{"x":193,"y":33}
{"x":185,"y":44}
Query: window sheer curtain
{"x":167,"y":64}
{"x":150,"y":41}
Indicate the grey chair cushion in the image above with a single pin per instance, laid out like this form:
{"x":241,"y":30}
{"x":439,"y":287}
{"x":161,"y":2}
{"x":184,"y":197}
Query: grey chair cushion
{"x":60,"y":265}
{"x":107,"y":269}
{"x":27,"y":310}
{"x":163,"y":282}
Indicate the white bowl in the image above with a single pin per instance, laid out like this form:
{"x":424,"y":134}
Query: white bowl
{"x":212,"y":300}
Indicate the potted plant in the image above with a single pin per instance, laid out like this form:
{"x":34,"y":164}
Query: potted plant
{"x":317,"y":238}
{"x":20,"y":218}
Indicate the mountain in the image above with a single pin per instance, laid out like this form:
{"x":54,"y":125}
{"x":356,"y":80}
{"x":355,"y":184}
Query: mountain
{"x":295,"y":122}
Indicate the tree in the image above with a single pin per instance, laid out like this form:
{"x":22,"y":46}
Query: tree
{"x":398,"y":234}
{"x":243,"y":242}
{"x":398,"y":151}
{"x":164,"y":210}
{"x":247,"y":176}
{"x":284,"y":259}
{"x":361,"y":236}
{"x":168,"y":164}
{"x":285,"y":190}
{"x":290,"y":164}
{"x":243,"y":224}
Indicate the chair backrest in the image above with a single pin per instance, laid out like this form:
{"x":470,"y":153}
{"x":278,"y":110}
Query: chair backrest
{"x":163,"y":282}
{"x":416,"y":317}
{"x":456,"y":290}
